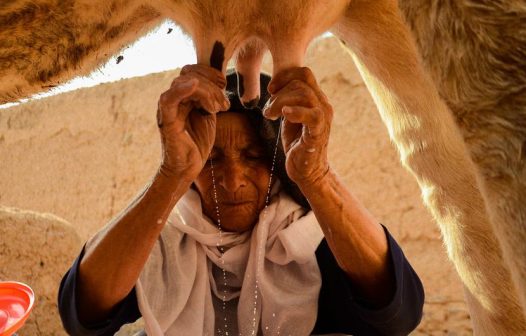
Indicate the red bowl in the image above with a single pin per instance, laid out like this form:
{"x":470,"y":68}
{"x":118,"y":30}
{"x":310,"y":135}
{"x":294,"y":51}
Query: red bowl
{"x":16,"y":302}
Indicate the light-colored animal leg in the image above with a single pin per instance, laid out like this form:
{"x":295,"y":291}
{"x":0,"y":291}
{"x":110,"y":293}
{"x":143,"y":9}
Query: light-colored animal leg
{"x":432,"y":148}
{"x":44,"y":43}
{"x":502,"y":162}
{"x":475,"y":52}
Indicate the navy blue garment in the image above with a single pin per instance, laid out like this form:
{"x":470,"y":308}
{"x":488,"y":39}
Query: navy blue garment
{"x":339,"y":309}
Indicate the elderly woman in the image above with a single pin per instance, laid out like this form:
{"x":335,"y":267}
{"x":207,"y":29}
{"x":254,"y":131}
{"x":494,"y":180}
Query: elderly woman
{"x":216,"y":244}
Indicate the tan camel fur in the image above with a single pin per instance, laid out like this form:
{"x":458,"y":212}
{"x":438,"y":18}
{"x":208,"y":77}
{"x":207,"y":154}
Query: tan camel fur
{"x":476,"y":53}
{"x":475,"y":60}
{"x":441,"y":166}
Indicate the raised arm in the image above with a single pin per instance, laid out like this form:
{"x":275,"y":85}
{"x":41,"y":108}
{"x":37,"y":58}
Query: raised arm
{"x":355,"y":237}
{"x":115,"y":256}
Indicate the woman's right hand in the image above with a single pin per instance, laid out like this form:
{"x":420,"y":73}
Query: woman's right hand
{"x":186,"y":117}
{"x":187,"y":138}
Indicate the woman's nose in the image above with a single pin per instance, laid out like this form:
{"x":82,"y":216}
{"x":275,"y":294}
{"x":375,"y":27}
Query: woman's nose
{"x":233,"y":177}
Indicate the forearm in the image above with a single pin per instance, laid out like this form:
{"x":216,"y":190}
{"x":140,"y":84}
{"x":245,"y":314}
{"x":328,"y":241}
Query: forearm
{"x":115,"y":257}
{"x":356,"y":239}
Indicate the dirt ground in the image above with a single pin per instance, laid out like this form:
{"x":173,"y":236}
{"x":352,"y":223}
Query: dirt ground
{"x":83,"y":155}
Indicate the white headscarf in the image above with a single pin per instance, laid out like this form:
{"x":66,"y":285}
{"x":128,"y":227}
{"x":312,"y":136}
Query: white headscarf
{"x":183,"y":271}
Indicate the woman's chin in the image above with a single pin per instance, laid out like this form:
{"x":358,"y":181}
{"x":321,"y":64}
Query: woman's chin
{"x":238,"y":218}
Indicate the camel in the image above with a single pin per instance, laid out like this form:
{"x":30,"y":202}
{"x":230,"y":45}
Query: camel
{"x":475,"y":52}
{"x":446,"y":110}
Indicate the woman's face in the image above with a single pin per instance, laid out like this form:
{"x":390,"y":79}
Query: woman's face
{"x":241,"y":171}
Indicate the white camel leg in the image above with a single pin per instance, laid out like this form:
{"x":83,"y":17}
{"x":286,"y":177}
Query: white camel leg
{"x":432,"y":148}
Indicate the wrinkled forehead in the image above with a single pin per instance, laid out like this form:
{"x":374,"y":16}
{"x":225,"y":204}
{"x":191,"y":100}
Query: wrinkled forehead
{"x":234,"y":130}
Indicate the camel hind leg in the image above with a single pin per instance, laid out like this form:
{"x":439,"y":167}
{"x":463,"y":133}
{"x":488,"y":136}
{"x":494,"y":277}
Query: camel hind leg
{"x":476,"y":54}
{"x":432,"y":148}
{"x":497,"y":149}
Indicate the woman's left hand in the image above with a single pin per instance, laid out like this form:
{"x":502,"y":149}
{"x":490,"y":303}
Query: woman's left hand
{"x":296,"y":96}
